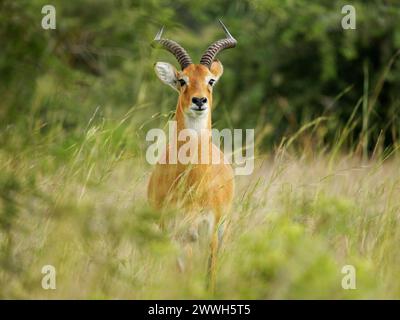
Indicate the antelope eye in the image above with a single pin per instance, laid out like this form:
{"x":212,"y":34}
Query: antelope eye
{"x":211,"y":82}
{"x":182,"y":82}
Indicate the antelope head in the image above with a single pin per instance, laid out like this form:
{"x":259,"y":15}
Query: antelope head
{"x":194,"y":82}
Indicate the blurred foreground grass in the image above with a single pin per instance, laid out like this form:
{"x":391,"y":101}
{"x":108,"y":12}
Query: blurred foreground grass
{"x":76,"y":102}
{"x":78,"y":203}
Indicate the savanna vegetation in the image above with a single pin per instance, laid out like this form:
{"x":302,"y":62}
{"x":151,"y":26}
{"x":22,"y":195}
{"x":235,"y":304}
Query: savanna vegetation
{"x":76,"y":103}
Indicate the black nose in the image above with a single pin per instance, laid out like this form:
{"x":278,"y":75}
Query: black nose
{"x":199,"y":101}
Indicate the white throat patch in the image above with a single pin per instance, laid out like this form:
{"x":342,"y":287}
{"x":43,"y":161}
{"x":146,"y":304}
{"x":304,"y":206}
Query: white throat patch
{"x":196,"y":120}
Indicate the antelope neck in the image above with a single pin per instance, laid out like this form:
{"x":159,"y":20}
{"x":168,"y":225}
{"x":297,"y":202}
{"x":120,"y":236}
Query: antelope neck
{"x":187,"y":121}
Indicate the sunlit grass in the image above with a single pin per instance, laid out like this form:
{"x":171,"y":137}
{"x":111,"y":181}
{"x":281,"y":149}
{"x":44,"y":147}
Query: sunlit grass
{"x":297,"y":220}
{"x":76,"y":103}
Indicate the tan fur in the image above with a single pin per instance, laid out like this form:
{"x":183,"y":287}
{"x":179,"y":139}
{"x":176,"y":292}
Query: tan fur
{"x":195,"y":187}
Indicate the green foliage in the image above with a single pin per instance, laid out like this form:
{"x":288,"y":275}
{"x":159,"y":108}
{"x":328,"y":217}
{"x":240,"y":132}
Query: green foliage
{"x":296,"y":63}
{"x":76,"y":103}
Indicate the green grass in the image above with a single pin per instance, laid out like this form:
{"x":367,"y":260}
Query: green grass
{"x":77,"y":200}
{"x":76,"y":102}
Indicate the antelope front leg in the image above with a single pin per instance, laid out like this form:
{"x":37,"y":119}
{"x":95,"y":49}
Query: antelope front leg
{"x":215,"y":244}
{"x":187,"y":242}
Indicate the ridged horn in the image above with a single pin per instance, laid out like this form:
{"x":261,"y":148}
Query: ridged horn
{"x":175,"y":48}
{"x":222,"y":44}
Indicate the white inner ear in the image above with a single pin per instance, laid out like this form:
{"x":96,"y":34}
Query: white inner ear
{"x":167,"y":73}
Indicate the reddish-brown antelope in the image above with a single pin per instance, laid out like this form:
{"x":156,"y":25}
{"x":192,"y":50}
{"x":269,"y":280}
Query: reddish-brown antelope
{"x":205,"y":189}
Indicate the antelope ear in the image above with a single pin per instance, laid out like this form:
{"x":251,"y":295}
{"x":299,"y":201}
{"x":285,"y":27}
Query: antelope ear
{"x":217,"y":69}
{"x":167,"y":73}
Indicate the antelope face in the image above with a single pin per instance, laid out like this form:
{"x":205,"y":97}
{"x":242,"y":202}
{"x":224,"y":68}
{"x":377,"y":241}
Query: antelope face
{"x":195,"y":82}
{"x":195,"y":85}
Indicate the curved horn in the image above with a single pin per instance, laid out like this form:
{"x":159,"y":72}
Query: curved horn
{"x":176,"y":49}
{"x":212,"y":51}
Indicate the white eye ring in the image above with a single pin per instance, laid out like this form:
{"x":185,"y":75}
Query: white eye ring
{"x":211,"y":82}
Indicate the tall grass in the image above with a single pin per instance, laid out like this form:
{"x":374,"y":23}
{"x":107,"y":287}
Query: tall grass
{"x":77,"y":201}
{"x":77,"y":101}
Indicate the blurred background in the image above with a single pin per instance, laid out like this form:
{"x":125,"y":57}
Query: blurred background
{"x":293,"y":63}
{"x":75,"y":106}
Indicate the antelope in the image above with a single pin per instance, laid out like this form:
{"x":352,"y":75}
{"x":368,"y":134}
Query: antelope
{"x":204,"y":191}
